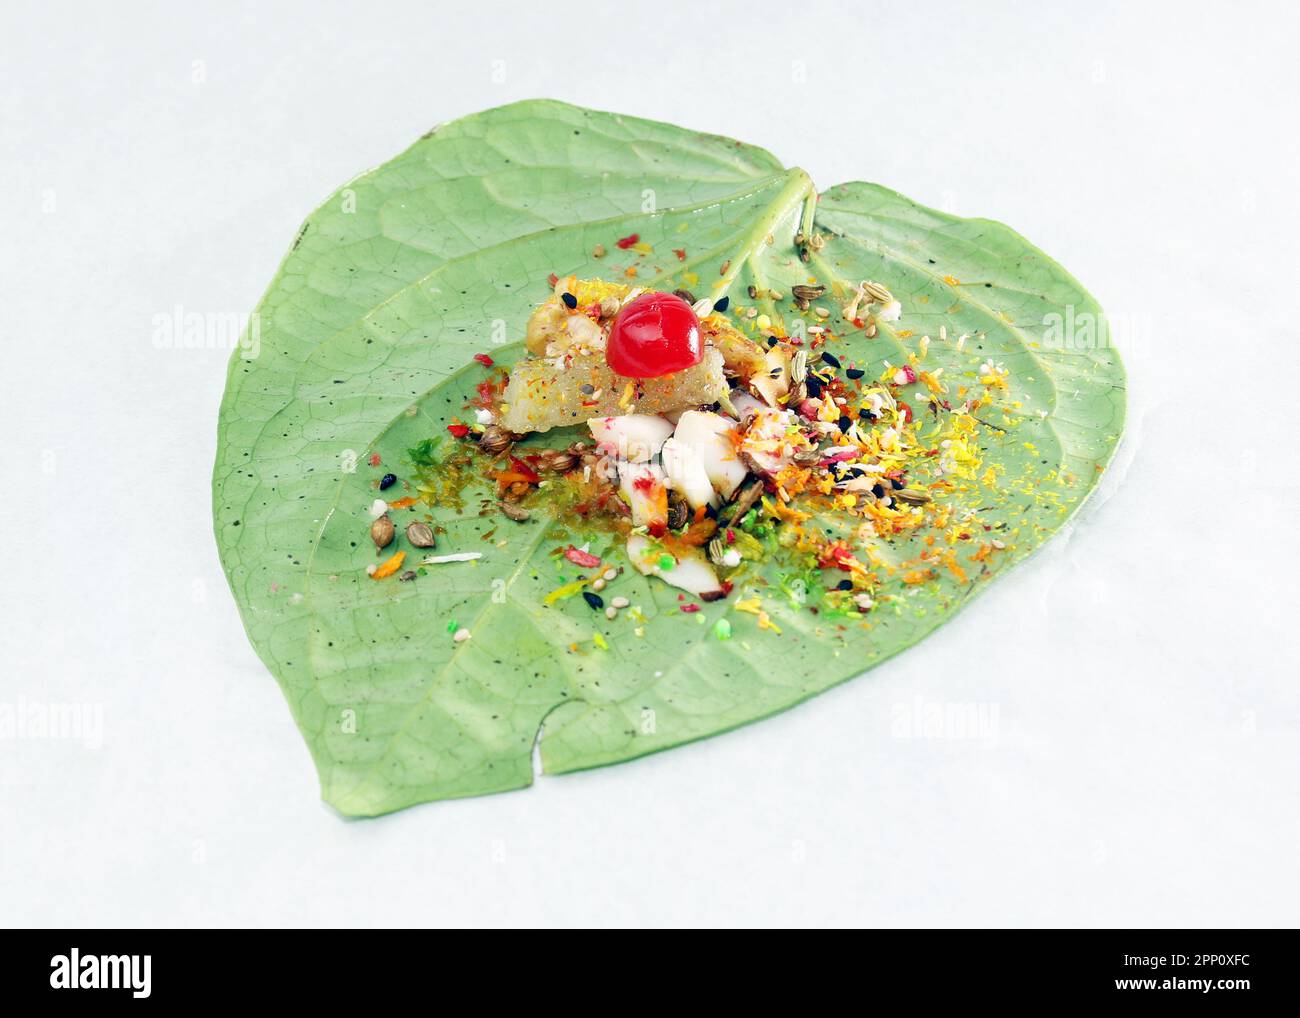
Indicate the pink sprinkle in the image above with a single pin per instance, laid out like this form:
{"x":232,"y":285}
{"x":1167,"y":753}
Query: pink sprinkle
{"x":690,"y":608}
{"x":581,"y":558}
{"x":374,"y":459}
{"x":484,"y":359}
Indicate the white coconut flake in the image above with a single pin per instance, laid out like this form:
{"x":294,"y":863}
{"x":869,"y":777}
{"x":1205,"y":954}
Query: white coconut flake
{"x":460,"y":556}
{"x":377,"y":508}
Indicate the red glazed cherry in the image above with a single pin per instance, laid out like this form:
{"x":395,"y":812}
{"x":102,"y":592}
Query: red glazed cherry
{"x":655,"y":334}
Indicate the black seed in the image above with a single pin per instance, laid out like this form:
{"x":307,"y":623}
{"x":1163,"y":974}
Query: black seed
{"x":866,"y":414}
{"x":771,"y":341}
{"x":855,"y":372}
{"x":898,"y":485}
{"x":844,"y":423}
{"x":844,"y":585}
{"x":570,"y":301}
{"x":878,"y":491}
{"x":830,"y":359}
{"x":814,"y":386}
{"x":387,"y":481}
{"x":595,"y":600}
{"x":722,"y":303}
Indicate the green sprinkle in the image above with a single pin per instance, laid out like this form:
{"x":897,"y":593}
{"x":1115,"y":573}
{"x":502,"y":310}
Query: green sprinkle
{"x":425,"y":454}
{"x":452,"y":626}
{"x":722,"y":629}
{"x":666,"y":561}
{"x":599,"y":641}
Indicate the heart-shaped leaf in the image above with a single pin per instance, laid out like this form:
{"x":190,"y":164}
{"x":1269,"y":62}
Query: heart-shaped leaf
{"x":363,"y":349}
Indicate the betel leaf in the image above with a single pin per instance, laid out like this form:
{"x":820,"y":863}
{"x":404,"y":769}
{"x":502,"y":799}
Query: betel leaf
{"x":364,"y":352}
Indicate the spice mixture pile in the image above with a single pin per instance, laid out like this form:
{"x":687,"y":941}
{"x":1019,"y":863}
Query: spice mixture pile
{"x":716,"y":440}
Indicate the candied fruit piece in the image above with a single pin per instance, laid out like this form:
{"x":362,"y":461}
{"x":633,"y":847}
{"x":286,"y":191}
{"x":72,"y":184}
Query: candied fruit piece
{"x":541,"y":396}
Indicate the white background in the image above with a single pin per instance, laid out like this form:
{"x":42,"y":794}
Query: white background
{"x":1144,"y":765}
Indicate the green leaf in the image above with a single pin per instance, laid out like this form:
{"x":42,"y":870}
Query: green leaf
{"x":364,"y":347}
